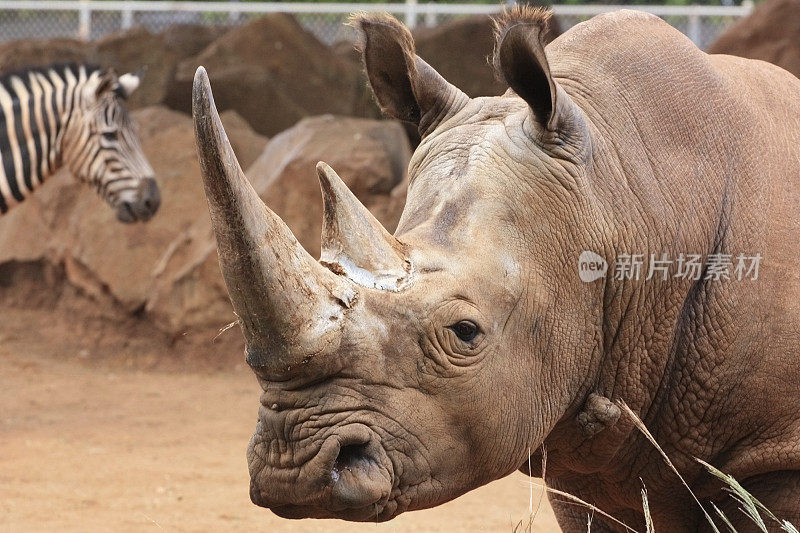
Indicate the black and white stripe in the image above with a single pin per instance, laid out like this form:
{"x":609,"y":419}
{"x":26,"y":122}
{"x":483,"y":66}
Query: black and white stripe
{"x":74,"y":116}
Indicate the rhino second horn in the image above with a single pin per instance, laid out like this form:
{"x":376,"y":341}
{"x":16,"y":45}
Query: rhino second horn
{"x":354,"y":242}
{"x":288,"y":304}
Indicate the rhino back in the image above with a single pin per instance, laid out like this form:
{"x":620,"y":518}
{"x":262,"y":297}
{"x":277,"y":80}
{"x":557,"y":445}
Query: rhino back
{"x":697,"y":153}
{"x":690,"y":149}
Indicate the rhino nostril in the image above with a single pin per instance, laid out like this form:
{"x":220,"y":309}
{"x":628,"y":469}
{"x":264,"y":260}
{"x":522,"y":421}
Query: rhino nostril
{"x":359,"y":474}
{"x":351,"y":456}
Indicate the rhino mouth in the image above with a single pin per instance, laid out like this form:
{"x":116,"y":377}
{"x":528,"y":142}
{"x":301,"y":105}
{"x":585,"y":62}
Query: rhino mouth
{"x":350,"y":477}
{"x":371,"y":513}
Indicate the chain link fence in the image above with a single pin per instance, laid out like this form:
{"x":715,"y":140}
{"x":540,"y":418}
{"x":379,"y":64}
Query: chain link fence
{"x":81,"y":19}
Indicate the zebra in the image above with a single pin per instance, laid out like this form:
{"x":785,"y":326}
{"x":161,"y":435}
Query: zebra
{"x":74,"y":116}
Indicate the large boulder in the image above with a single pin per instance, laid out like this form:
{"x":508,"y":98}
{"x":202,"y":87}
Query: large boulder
{"x":273,"y":73}
{"x":271,"y":70}
{"x":347,"y":51}
{"x":461,"y":51}
{"x":130,"y":51}
{"x":140,"y":50}
{"x":771,"y":33}
{"x":187,"y":40}
{"x":23,"y":53}
{"x":185,"y":293}
{"x":371,"y":156}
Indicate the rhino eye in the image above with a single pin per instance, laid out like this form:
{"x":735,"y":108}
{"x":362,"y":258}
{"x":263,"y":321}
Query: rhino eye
{"x":466,"y":330}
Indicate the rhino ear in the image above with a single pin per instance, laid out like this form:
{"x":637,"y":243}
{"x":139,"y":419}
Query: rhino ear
{"x":520,"y":59}
{"x":405,"y":86}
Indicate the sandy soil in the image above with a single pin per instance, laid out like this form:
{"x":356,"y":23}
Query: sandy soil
{"x":88,"y":446}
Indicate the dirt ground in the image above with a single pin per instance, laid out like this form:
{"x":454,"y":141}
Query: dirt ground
{"x":87,"y":445}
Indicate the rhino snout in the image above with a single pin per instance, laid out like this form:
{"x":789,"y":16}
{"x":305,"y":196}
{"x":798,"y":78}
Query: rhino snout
{"x":351,"y":477}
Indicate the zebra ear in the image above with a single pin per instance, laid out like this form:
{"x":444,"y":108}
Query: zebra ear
{"x":105,"y":83}
{"x":129,"y":83}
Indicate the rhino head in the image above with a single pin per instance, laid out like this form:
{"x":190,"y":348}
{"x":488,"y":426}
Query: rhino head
{"x":401,"y":371}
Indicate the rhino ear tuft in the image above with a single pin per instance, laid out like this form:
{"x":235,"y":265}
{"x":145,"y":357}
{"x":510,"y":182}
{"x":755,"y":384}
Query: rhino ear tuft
{"x":405,"y":86}
{"x":520,"y":59}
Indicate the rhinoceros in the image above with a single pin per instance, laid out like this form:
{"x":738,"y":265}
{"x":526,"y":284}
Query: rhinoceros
{"x":401,"y":371}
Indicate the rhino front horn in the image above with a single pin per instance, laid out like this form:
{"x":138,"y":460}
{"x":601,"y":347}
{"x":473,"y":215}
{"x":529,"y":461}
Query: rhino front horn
{"x":354,"y":242}
{"x":289,"y":305}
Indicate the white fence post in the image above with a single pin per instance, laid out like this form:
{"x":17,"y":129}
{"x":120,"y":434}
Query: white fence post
{"x":695,"y":30}
{"x":85,"y":21}
{"x":127,"y":19}
{"x":234,"y":16}
{"x":411,"y":14}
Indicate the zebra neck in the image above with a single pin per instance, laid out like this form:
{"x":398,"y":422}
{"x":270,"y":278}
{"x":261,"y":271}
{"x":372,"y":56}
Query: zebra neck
{"x":37,"y":108}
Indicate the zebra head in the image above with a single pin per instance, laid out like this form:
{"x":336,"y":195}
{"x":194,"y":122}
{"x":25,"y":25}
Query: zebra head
{"x":101,"y":147}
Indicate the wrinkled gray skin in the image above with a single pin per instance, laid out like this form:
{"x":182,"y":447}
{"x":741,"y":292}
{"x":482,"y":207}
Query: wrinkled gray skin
{"x":636,"y":143}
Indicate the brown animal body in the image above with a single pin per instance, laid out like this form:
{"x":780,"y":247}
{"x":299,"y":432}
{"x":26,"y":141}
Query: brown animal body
{"x":770,"y":33}
{"x":402,"y":371}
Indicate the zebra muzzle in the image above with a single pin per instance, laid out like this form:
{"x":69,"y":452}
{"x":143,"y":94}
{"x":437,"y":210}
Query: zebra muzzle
{"x":141,"y":209}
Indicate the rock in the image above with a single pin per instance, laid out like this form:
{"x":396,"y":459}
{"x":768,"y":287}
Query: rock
{"x":347,"y":51}
{"x":19,"y":54}
{"x":187,"y":293}
{"x":461,"y":51}
{"x":129,"y":51}
{"x":273,"y":73}
{"x":247,"y":144}
{"x":771,"y":33}
{"x":135,"y":50}
{"x":371,"y":156}
{"x":187,"y":40}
